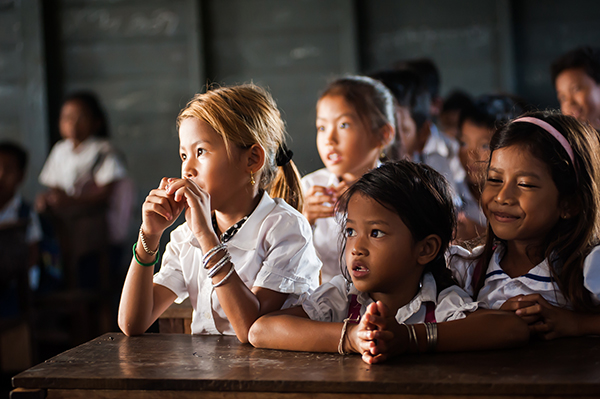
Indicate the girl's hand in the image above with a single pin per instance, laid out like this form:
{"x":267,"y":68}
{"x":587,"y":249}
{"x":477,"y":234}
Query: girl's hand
{"x":515,"y":303}
{"x":318,"y":203}
{"x":188,"y":194}
{"x":381,"y":334}
{"x":554,"y":322}
{"x":159,"y":210}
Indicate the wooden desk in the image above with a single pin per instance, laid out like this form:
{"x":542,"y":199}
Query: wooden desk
{"x":179,"y":365}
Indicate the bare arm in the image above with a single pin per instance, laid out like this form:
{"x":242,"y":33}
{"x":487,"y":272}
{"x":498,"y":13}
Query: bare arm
{"x":291,"y":329}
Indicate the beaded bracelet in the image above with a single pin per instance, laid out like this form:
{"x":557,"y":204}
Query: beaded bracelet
{"x":141,"y":263}
{"x":226,"y":277}
{"x":219,"y":265}
{"x":145,"y":244}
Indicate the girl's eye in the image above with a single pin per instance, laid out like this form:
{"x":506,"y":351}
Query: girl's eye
{"x":493,"y":180}
{"x":183,"y":157}
{"x":344,"y":125}
{"x":350,"y":232}
{"x":320,"y":128}
{"x":377,"y":233}
{"x":526,"y":185}
{"x":200,"y":151}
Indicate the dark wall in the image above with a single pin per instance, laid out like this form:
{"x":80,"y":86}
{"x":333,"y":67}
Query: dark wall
{"x":146,"y":58}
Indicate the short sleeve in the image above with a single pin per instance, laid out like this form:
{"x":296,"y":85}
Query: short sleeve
{"x":461,"y":263}
{"x":50,"y":171}
{"x":591,"y":274}
{"x":453,"y":304}
{"x":171,"y":274}
{"x":111,"y":170}
{"x":290,"y":264}
{"x":329,"y":302}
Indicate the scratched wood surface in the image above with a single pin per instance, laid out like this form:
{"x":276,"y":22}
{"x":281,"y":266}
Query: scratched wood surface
{"x":179,"y":362}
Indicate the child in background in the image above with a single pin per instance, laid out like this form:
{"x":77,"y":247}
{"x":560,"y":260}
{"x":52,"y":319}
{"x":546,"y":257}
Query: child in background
{"x":541,"y":198}
{"x":398,"y":220}
{"x":355,"y":124}
{"x":453,"y":105}
{"x":13,"y":212}
{"x":421,"y":141}
{"x":576,"y":78}
{"x":477,"y":125}
{"x":240,"y":253}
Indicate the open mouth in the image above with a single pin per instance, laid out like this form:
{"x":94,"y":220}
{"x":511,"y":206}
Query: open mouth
{"x":333,"y":157}
{"x":359,"y":270}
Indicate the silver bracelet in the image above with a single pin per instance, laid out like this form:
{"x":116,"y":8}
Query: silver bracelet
{"x":432,"y":336}
{"x":226,"y":277}
{"x":412,"y":335}
{"x":341,"y":344}
{"x":219,"y":265}
{"x":212,"y":252}
{"x":145,"y":244}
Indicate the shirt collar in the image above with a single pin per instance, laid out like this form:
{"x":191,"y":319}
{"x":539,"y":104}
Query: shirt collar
{"x":539,"y":274}
{"x":435,"y":144}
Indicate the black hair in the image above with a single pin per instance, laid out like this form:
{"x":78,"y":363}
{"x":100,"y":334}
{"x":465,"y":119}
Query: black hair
{"x":409,"y":92}
{"x":428,"y":73}
{"x":91,"y":101}
{"x":493,"y":110}
{"x":586,"y":58}
{"x":17,"y":152}
{"x":457,"y":101}
{"x":420,"y":196}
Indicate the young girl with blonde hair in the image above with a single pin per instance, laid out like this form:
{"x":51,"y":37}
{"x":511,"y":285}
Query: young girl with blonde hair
{"x":241,"y":253}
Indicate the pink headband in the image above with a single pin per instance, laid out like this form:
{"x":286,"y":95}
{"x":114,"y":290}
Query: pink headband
{"x":555,"y":133}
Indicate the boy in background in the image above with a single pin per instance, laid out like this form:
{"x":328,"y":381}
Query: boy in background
{"x":576,"y":78}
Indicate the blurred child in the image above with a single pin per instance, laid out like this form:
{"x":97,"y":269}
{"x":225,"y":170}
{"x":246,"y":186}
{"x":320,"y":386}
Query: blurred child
{"x":541,"y":257}
{"x":576,"y":78}
{"x":398,"y":220}
{"x":477,"y":125}
{"x":240,"y":254}
{"x":453,"y":105}
{"x":355,"y":125}
{"x":14,"y":211}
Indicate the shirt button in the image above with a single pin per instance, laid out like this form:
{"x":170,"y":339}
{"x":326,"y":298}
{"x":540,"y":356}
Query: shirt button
{"x":207,"y":315}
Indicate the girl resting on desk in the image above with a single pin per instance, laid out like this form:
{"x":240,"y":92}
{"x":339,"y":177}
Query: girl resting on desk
{"x":541,"y":258}
{"x":398,"y":220}
{"x":240,"y":254}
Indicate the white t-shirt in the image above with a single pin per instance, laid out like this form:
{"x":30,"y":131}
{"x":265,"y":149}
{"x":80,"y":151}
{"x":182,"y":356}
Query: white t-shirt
{"x":330,"y":302}
{"x":327,"y":233}
{"x":273,"y":249}
{"x":70,"y":169}
{"x":10,"y":214}
{"x":499,"y":287}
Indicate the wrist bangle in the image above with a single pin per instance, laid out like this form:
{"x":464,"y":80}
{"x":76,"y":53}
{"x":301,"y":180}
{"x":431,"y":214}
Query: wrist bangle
{"x":145,"y":244}
{"x":219,"y":265}
{"x":412,"y":336}
{"x":145,"y":264}
{"x":432,"y":336}
{"x":344,"y":327}
{"x":226,"y":277}
{"x":209,"y":255}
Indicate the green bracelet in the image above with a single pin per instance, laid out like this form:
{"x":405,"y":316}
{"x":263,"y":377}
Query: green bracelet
{"x":145,"y":264}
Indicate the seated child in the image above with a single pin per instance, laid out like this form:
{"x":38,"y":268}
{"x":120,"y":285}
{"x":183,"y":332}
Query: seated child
{"x":576,"y":78}
{"x":355,"y":125}
{"x":477,"y":124}
{"x":541,"y":257}
{"x":398,"y":220}
{"x":13,"y":211}
{"x":241,"y":253}
{"x":453,"y":105}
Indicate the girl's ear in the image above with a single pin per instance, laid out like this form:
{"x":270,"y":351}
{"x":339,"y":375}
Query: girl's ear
{"x":256,"y":158}
{"x":387,"y":133}
{"x":428,"y":248}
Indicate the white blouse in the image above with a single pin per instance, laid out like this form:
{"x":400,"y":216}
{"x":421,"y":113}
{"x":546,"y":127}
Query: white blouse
{"x":273,"y":249}
{"x":499,"y":286}
{"x":327,"y":233}
{"x":330,"y":302}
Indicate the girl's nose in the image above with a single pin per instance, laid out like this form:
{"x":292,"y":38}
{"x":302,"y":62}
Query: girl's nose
{"x":187,"y":170}
{"x":358,"y":249}
{"x":505,"y":195}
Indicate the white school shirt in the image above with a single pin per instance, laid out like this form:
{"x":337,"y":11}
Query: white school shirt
{"x":10,"y":214}
{"x":499,"y":287}
{"x":70,"y":168}
{"x":441,"y":153}
{"x":327,"y":233}
{"x":273,"y":249}
{"x":330,"y":302}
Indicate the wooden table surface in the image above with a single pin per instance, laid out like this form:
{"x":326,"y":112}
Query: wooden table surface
{"x":154,"y":363}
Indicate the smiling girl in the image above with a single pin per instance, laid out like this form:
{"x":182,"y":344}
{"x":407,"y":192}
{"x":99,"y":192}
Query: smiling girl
{"x":240,"y":254}
{"x":355,"y":123}
{"x":542,"y":201}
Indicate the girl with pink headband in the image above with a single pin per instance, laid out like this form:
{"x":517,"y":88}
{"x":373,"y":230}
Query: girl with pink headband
{"x":540,"y":258}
